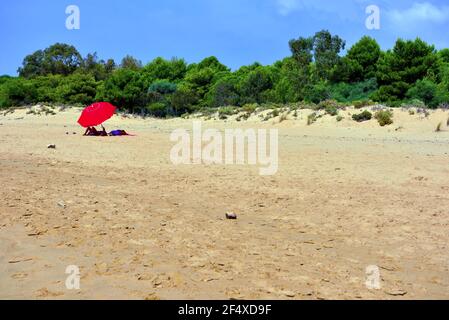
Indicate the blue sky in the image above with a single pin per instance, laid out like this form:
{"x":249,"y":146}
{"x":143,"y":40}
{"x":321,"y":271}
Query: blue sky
{"x":238,"y":32}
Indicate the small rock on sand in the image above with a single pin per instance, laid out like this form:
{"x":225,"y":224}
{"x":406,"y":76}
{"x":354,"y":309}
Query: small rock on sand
{"x":231,"y":216}
{"x":396,"y":292}
{"x":51,"y":146}
{"x":289,"y":294}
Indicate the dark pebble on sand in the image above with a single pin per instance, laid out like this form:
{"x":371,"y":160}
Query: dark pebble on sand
{"x":231,"y":216}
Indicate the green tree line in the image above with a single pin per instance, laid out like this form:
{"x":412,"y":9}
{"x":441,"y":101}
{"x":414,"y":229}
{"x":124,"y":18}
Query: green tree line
{"x":411,"y":72}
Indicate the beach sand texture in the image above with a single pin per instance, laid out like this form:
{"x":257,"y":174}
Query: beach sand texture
{"x":347,"y":195}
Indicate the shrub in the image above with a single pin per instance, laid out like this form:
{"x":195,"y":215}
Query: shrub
{"x":311,"y":118}
{"x":283,"y":117}
{"x":250,"y":107}
{"x":416,"y":103}
{"x":423,"y":111}
{"x":16,"y":92}
{"x":317,"y":93}
{"x":5,"y":102}
{"x":162,"y":87}
{"x":245,"y":116}
{"x":224,"y":112}
{"x":157,"y":109}
{"x":348,"y":92}
{"x":384,"y":117}
{"x":330,"y":106}
{"x":124,"y":89}
{"x":183,"y":100}
{"x":48,"y":111}
{"x":339,"y":118}
{"x":76,"y":88}
{"x":364,"y":116}
{"x":428,"y":92}
{"x":362,"y":103}
{"x":272,"y":114}
{"x":331,"y":110}
{"x":328,"y":103}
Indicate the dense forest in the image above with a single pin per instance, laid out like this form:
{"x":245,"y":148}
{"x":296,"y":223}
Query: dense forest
{"x":412,"y":73}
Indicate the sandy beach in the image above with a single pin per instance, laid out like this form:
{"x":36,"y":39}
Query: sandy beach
{"x":347,"y":195}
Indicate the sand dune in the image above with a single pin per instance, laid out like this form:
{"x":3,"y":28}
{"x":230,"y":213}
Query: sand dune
{"x":347,"y":195}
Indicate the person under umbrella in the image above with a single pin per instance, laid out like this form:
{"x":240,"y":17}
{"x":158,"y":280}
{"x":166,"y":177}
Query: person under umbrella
{"x":95,"y":115}
{"x":92,"y":131}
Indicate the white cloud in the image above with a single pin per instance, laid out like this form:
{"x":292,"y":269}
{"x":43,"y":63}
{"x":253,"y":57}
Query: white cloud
{"x":287,"y":6}
{"x":341,"y":8}
{"x":419,"y":13}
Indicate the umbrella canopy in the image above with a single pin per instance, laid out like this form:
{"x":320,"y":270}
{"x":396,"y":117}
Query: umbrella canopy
{"x":96,"y":114}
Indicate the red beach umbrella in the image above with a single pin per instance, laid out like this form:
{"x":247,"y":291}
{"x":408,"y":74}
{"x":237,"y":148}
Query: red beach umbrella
{"x":96,"y":114}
